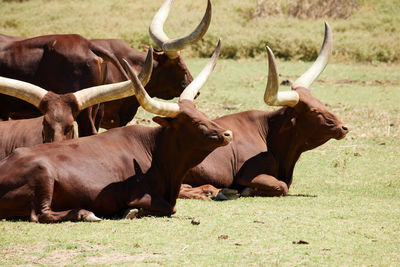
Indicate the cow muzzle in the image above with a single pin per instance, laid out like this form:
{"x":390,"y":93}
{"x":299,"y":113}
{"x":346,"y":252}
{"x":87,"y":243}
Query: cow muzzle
{"x":342,"y":131}
{"x":228,"y":137}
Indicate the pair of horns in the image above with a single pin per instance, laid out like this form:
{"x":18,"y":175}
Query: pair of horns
{"x":86,"y":97}
{"x":171,"y":47}
{"x":290,"y":98}
{"x":166,"y":108}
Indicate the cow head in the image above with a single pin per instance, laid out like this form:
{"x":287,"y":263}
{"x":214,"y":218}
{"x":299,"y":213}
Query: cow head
{"x":201,"y":133}
{"x":170,"y":74}
{"x":315,"y":124}
{"x":60,"y":111}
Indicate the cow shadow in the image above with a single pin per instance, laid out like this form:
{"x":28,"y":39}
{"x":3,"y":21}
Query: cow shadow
{"x":300,"y":195}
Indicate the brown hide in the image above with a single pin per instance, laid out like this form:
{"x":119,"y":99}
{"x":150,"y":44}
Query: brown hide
{"x":127,"y":167}
{"x":20,"y":133}
{"x":58,"y":63}
{"x":265,"y":148}
{"x":169,"y":78}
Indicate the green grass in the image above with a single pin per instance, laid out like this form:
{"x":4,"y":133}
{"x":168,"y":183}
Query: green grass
{"x":345,"y":198}
{"x":371,"y":34}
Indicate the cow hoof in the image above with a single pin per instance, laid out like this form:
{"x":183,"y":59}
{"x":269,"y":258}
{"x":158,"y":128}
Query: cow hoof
{"x":91,"y":218}
{"x":220,"y":196}
{"x":231,"y":194}
{"x":247,"y":192}
{"x":131,"y":214}
{"x":227,"y":194}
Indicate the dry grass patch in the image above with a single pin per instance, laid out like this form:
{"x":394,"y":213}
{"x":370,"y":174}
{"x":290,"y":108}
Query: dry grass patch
{"x":306,"y":9}
{"x":80,"y":254}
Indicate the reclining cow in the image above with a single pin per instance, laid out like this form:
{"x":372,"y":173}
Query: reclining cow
{"x":170,"y":75}
{"x":60,"y":64}
{"x":261,"y":158}
{"x":59,"y":111}
{"x":127,"y":167}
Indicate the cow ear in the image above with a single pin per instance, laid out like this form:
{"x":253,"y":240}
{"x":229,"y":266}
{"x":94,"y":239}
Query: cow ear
{"x":163,"y":121}
{"x":288,"y":125}
{"x":146,"y":48}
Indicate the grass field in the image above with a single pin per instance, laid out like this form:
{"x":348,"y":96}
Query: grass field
{"x":344,"y":203}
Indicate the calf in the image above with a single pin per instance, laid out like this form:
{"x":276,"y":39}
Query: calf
{"x":261,"y":158}
{"x":128,"y":167}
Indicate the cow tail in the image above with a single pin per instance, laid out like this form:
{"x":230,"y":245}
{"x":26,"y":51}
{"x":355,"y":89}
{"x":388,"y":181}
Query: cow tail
{"x":101,"y":52}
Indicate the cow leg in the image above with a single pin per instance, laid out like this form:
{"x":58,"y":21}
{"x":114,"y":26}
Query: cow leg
{"x":207,"y":192}
{"x":85,"y":122}
{"x":43,"y":195}
{"x":151,"y":205}
{"x":253,"y":174}
{"x":204,"y":192}
{"x":49,"y":216}
{"x":263,"y":185}
{"x":98,"y":116}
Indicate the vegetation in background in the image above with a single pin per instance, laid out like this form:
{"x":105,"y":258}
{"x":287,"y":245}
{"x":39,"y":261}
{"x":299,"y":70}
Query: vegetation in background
{"x":364,"y":31}
{"x":307,"y":9}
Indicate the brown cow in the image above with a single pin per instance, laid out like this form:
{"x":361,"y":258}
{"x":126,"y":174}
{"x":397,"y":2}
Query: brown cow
{"x":128,"y":167}
{"x":170,"y":74}
{"x":60,"y":64}
{"x":261,"y":158}
{"x":60,"y":110}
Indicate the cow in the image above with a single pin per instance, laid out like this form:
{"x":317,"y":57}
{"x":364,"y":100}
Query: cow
{"x":261,"y":158}
{"x":60,"y":64}
{"x":170,"y":75}
{"x":128,"y":167}
{"x":60,"y":110}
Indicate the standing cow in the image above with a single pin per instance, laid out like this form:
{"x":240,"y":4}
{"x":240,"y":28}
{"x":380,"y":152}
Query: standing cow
{"x":59,"y":110}
{"x":127,"y":167}
{"x":170,"y":74}
{"x":261,"y":158}
{"x":60,"y":64}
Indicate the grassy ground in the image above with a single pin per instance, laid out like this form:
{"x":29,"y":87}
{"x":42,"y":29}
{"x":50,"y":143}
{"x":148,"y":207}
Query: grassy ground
{"x":344,"y":202}
{"x":371,"y":34}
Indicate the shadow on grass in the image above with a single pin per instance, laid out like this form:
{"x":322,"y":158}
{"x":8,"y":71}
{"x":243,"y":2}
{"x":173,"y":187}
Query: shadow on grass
{"x":300,"y":195}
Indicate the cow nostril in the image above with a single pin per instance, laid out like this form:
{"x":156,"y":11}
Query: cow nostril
{"x":228,"y":134}
{"x":345,"y":128}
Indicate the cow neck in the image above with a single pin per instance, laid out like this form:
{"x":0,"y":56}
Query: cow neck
{"x":172,"y":156}
{"x":182,"y":156}
{"x":283,"y":141}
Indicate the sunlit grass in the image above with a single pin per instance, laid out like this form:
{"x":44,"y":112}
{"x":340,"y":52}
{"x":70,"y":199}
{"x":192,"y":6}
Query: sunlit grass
{"x":344,"y":201}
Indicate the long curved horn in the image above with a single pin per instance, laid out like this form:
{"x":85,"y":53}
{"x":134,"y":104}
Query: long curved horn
{"x":272,"y":97}
{"x":172,"y":46}
{"x":147,"y":69}
{"x":193,"y":88}
{"x":25,"y":91}
{"x":149,"y":104}
{"x":103,"y":93}
{"x":320,"y":63}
